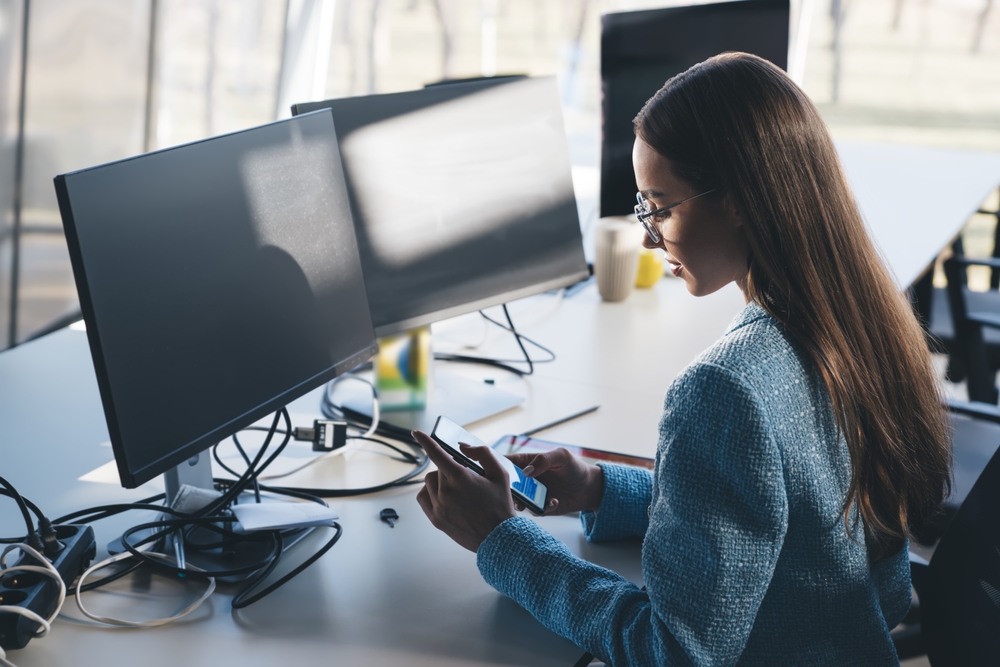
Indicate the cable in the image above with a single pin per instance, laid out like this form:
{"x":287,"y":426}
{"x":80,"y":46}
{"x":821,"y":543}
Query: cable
{"x":360,"y":491}
{"x":132,"y":566}
{"x":358,"y":420}
{"x":186,"y":520}
{"x":30,"y":505}
{"x":517,"y":337}
{"x":504,"y":364}
{"x":361,"y":420}
{"x":482,"y":361}
{"x":136,"y":552}
{"x":238,"y":487}
{"x":240,"y":601}
{"x":406,"y":456}
{"x":140,"y":551}
{"x":246,"y":459}
{"x":110,"y":620}
{"x":11,"y":492}
{"x":208,"y":523}
{"x":328,"y":396}
{"x":105,"y":511}
{"x":46,"y":569}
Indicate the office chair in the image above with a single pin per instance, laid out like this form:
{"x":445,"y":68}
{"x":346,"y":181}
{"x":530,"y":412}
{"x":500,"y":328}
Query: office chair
{"x":940,"y":326}
{"x":974,"y":343}
{"x":974,"y":347}
{"x":941,"y":308}
{"x":958,"y":618}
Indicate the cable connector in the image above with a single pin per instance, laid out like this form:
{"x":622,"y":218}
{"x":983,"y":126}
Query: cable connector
{"x":52,"y":547}
{"x":35,"y":541}
{"x":326,"y":435}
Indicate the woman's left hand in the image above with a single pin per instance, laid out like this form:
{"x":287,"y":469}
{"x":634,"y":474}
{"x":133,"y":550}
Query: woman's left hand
{"x":464,"y":505}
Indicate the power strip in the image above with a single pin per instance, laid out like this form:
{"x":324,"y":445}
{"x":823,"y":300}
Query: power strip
{"x":39,"y":593}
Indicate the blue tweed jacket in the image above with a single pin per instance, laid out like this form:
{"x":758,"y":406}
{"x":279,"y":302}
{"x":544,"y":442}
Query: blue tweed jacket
{"x":746,"y":556}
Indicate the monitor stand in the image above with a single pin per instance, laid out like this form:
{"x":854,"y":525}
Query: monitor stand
{"x":197,"y":472}
{"x":461,"y":399}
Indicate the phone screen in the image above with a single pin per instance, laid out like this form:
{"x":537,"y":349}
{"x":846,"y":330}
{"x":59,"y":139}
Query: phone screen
{"x":531,"y":489}
{"x":526,"y":490}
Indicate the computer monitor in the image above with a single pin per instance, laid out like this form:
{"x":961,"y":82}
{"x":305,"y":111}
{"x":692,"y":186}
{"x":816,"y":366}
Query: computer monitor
{"x":218,"y":280}
{"x":462,"y":196}
{"x":640,"y":50}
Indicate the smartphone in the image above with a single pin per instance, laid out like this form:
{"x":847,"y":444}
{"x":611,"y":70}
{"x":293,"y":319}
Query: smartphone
{"x":526,"y":491}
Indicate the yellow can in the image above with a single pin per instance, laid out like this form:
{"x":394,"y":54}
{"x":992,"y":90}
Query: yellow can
{"x":650,"y":267}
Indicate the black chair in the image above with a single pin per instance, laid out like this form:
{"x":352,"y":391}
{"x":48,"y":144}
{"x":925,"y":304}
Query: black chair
{"x":957,"y":619}
{"x":941,"y":328}
{"x":974,"y":347}
{"x":962,"y":323}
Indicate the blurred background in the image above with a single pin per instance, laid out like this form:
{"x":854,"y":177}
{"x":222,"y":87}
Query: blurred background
{"x":88,"y":81}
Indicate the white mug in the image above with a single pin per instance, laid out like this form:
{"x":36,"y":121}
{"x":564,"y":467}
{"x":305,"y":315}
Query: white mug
{"x":616,"y":256}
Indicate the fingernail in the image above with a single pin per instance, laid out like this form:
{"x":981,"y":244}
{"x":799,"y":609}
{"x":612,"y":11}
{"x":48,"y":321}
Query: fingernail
{"x":528,"y":469}
{"x":552,"y":502}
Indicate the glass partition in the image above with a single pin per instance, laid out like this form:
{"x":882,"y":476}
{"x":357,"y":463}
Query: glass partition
{"x":888,"y":70}
{"x":11,"y":26}
{"x":85,"y":97}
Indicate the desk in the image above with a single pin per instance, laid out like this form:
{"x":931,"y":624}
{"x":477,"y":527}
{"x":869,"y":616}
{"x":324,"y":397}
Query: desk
{"x":916,"y":199}
{"x":381,"y":596}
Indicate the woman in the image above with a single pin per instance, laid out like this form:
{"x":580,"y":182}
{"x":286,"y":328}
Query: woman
{"x":794,"y":455}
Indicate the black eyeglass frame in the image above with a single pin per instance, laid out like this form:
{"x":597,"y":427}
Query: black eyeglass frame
{"x":643,"y":213}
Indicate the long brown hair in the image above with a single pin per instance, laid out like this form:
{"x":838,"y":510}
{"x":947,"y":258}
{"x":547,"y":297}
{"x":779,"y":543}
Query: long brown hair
{"x":738,"y":123}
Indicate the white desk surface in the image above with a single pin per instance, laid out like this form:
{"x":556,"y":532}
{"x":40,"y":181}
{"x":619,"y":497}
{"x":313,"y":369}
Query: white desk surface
{"x":916,"y":199}
{"x":381,"y":596}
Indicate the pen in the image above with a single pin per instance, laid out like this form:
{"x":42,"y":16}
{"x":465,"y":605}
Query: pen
{"x":560,"y":421}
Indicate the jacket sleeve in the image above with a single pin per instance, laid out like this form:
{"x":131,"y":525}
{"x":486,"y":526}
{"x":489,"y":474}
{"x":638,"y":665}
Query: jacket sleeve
{"x":624,"y":510}
{"x":718,"y":519}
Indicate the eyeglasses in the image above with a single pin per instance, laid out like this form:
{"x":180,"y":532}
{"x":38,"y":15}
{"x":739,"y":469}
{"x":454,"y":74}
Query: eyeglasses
{"x":644,"y":214}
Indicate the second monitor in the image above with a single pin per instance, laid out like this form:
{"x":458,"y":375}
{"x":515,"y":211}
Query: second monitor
{"x":461,"y":194}
{"x":462,"y":198}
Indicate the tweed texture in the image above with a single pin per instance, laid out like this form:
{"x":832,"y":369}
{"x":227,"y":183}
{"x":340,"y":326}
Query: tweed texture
{"x":746,"y":556}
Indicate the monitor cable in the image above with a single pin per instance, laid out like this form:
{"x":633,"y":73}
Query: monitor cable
{"x":504,"y":364}
{"x":366,"y":425}
{"x":215,"y":518}
{"x":328,"y":391}
{"x":31,"y":537}
{"x":124,"y":623}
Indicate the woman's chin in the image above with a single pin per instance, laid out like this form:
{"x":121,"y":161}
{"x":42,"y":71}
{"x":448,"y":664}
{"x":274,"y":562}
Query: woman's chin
{"x":696,"y":288}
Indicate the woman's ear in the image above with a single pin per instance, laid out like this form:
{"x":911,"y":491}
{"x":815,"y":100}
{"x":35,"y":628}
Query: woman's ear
{"x":732,"y":211}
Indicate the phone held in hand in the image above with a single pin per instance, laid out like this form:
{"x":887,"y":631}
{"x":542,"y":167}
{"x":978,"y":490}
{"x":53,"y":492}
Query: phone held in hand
{"x":526,"y":491}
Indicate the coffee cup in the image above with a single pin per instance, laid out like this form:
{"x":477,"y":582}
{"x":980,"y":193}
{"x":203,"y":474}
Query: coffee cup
{"x":617,"y":242}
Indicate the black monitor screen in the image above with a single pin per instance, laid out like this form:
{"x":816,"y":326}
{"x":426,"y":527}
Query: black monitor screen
{"x":641,"y":50}
{"x":462,"y":196}
{"x":219,"y":280}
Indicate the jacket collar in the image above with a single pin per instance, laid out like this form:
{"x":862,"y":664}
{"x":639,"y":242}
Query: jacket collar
{"x":750,"y":313}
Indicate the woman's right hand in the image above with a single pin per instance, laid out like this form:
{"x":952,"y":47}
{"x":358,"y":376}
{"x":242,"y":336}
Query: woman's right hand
{"x":574,"y":486}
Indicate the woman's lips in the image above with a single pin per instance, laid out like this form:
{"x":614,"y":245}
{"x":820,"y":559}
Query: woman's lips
{"x":675,"y":268}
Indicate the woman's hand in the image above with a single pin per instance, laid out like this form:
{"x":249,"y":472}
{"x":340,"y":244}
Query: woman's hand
{"x":460,"y":503}
{"x":573,"y":485}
